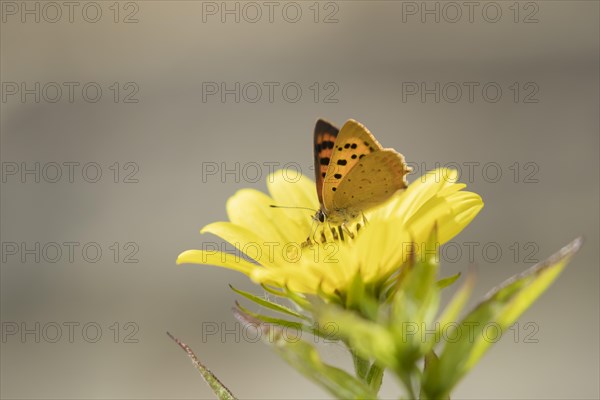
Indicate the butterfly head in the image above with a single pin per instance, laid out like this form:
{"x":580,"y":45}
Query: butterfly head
{"x":320,"y":216}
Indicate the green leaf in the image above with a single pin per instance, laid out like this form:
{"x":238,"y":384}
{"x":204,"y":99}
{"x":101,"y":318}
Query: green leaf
{"x":500,"y":309}
{"x":217,"y":387}
{"x":445,"y":282}
{"x":269,"y":304}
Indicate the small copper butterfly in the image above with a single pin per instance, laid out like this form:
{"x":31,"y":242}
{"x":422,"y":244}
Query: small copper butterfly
{"x":353,"y":172}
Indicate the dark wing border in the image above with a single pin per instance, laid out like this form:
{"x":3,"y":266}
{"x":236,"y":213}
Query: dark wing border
{"x":323,"y":142}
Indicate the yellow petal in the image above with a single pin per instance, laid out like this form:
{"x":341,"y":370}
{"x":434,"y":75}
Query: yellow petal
{"x":265,"y":251}
{"x":383,"y":248}
{"x":289,"y":189}
{"x":273,"y":237}
{"x":469,"y":206}
{"x":450,"y":214}
{"x":251,"y":209}
{"x":217,"y":258}
{"x":421,"y":190}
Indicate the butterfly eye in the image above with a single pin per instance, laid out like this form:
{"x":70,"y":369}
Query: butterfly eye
{"x":321,"y":216}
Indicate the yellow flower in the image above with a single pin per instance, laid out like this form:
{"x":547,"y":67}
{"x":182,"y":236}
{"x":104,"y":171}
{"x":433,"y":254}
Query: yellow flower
{"x":273,"y":240}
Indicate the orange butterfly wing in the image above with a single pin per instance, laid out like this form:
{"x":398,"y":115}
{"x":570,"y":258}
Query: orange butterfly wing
{"x":324,"y":140}
{"x":371,"y":181}
{"x":353,"y":143}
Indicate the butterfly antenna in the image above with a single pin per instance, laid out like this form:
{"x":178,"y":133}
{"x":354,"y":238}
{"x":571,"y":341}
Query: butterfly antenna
{"x":300,"y":208}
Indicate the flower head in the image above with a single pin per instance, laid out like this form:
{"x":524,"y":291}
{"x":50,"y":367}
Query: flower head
{"x":274,"y":244}
{"x":374,"y":280}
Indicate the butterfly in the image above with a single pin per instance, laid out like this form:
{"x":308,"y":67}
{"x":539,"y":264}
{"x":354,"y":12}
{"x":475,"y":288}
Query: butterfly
{"x":353,"y":173}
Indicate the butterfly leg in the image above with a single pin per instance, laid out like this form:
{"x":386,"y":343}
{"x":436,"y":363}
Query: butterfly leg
{"x":340,"y":229}
{"x":308,"y":242}
{"x":345,"y":228}
{"x":334,"y":232}
{"x":312,"y":238}
{"x":318,"y":235}
{"x":364,"y":219}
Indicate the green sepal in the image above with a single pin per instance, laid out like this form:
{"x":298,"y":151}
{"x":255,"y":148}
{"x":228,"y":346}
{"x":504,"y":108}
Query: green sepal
{"x":265,"y":319}
{"x":269,"y":304}
{"x":366,"y":338}
{"x":361,"y":297}
{"x":415,"y":305}
{"x":430,"y":361}
{"x":304,"y":358}
{"x":273,"y":291}
{"x":456,"y":305}
{"x":375,"y":377}
{"x":297,"y":298}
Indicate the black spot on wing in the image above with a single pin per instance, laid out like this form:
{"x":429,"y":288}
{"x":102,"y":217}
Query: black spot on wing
{"x":342,"y":162}
{"x":324,"y":161}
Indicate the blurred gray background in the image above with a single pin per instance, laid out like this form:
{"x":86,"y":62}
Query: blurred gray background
{"x":158,"y":63}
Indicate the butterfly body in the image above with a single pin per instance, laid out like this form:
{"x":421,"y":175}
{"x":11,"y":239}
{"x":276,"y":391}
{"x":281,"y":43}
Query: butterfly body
{"x":353,"y":172}
{"x":337,"y":216}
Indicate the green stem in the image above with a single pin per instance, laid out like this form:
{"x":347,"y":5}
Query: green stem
{"x":411,"y":392}
{"x":407,"y":380}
